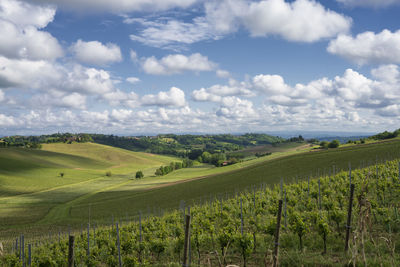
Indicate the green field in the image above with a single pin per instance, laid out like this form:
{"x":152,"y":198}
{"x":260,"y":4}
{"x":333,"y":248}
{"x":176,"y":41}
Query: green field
{"x":34,"y":196}
{"x":31,"y":185}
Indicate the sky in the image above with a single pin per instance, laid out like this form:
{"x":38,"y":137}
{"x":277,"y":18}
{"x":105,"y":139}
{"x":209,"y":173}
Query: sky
{"x":135,"y":67}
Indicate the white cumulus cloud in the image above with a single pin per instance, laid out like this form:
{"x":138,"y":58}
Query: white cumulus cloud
{"x":177,"y":63}
{"x":26,"y":14}
{"x":117,"y":6}
{"x":368,"y":47}
{"x":173,"y":97}
{"x":21,"y":37}
{"x":301,"y":20}
{"x":96,"y":53}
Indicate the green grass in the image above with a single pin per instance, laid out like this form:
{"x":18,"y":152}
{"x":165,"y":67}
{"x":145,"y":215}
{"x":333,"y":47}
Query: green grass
{"x":121,"y":200}
{"x":32,"y":195}
{"x":31,"y":185}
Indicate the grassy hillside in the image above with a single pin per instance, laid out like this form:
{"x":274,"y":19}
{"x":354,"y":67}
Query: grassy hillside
{"x":240,"y":230}
{"x":31,"y":185}
{"x":298,"y":166}
{"x":37,"y":197}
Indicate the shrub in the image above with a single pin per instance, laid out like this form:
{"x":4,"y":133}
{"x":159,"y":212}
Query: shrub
{"x":139,"y":175}
{"x":108,"y":173}
{"x":334,"y":144}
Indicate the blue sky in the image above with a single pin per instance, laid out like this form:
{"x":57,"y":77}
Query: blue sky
{"x":179,"y":66}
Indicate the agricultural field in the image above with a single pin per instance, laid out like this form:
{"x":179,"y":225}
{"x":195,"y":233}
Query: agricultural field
{"x":321,"y":223}
{"x":31,"y":183}
{"x":86,"y":192}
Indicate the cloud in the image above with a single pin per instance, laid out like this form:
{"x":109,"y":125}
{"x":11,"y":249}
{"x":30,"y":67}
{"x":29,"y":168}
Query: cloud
{"x":369,"y":3}
{"x":26,"y":14}
{"x":133,"y":55}
{"x":120,"y":98}
{"x":74,"y":100}
{"x":118,"y":6}
{"x":177,"y":63}
{"x":171,"y":33}
{"x":2,"y":97}
{"x":271,"y":84}
{"x":20,"y":35}
{"x":368,"y":47}
{"x":223,"y":73}
{"x":121,"y":114}
{"x":96,"y":53}
{"x":236,"y":108}
{"x":173,"y":97}
{"x":300,"y":21}
{"x":58,"y":99}
{"x":389,"y":111}
{"x":88,"y":80}
{"x":132,"y":80}
{"x":202,"y":95}
{"x":7,"y":121}
{"x":27,"y":73}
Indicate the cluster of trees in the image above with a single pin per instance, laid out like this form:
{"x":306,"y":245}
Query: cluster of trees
{"x":259,"y":155}
{"x":332,"y":144}
{"x":36,"y":141}
{"x":219,"y":159}
{"x":164,"y":170}
{"x":187,"y":145}
{"x":296,"y":139}
{"x":24,"y":144}
{"x":386,"y":135}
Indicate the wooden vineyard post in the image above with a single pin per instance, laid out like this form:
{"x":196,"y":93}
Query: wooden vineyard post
{"x":94,"y":234}
{"x":119,"y":248}
{"x":319,"y":194}
{"x":23,"y":250}
{"x":140,"y":237}
{"x":71,"y":242}
{"x":88,"y":240}
{"x":278,"y":225}
{"x":241,"y":217}
{"x":187,"y":241}
{"x":348,"y":225}
{"x":29,"y":255}
{"x":285,"y":212}
{"x":350,"y":174}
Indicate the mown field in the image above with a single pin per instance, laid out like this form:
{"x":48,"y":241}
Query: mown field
{"x":31,"y":184}
{"x":297,"y":166}
{"x":35,"y":198}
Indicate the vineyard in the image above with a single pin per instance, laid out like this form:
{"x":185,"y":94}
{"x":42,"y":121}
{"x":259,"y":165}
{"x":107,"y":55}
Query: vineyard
{"x":241,"y":230}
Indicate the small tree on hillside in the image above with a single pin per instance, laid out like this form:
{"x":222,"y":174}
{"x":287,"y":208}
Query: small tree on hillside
{"x":139,"y":175}
{"x":334,"y":144}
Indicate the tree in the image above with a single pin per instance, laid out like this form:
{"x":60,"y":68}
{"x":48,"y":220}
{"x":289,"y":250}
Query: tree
{"x":139,"y":175}
{"x":334,"y":144}
{"x":324,"y":144}
{"x":159,"y":171}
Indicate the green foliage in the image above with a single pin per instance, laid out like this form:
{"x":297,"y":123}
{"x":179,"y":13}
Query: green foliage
{"x":324,"y":144}
{"x":334,"y":144}
{"x":108,"y":173}
{"x":139,"y":175}
{"x":385,"y":135}
{"x":216,"y":228}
